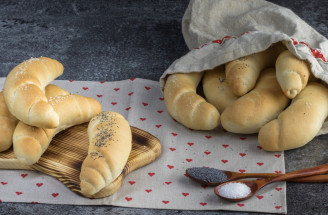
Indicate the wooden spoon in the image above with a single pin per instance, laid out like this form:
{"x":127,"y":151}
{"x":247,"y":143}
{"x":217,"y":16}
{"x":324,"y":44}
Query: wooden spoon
{"x":215,"y":177}
{"x":241,"y":190}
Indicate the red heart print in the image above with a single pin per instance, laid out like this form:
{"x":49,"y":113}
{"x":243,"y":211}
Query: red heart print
{"x":186,"y":175}
{"x":130,"y":94}
{"x":158,"y":126}
{"x":151,"y":174}
{"x":174,"y":134}
{"x":70,"y":80}
{"x":128,"y":199}
{"x":114,"y":103}
{"x":33,"y":202}
{"x":277,"y":171}
{"x":259,"y":147}
{"x":242,"y":154}
{"x":278,"y":207}
{"x":148,"y":190}
{"x":116,"y":89}
{"x":188,"y":160}
{"x":142,"y":119}
{"x":128,"y":108}
{"x":317,"y":54}
{"x":241,"y":204}
{"x":208,"y":137}
{"x":185,"y":194}
{"x":172,"y":149}
{"x":190,"y":144}
{"x":224,"y":161}
{"x":24,"y":175}
{"x":168,"y":182}
{"x":294,"y":41}
{"x":165,"y":202}
{"x":204,"y":186}
{"x":19,"y":193}
{"x":132,"y":182}
{"x":277,"y":156}
{"x":85,"y":88}
{"x":55,"y":194}
{"x":101,"y":82}
{"x":3,"y":183}
{"x":0,"y":201}
{"x":259,"y":197}
{"x":144,"y":104}
{"x":132,"y":79}
{"x":162,"y":99}
{"x":242,"y":170}
{"x":242,"y":138}
{"x":170,"y":166}
{"x":259,"y":163}
{"x":225,"y":145}
{"x":39,"y":184}
{"x":207,"y":152}
{"x":99,"y":96}
{"x":147,"y":88}
{"x":160,"y":111}
{"x":278,"y":189}
{"x":203,"y":203}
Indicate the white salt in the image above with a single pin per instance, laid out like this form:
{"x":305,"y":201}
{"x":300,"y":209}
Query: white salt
{"x":234,"y":190}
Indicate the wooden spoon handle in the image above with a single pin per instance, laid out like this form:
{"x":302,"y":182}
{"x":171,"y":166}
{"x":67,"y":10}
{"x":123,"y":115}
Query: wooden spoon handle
{"x":311,"y":179}
{"x":317,"y":170}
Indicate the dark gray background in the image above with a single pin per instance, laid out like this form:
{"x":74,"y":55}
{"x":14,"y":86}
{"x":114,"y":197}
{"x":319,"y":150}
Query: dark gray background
{"x":116,"y":40}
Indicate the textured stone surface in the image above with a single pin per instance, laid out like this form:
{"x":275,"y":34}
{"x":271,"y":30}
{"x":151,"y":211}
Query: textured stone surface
{"x":119,"y":39}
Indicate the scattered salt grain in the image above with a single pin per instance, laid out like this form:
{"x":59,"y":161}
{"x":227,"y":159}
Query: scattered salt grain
{"x":234,"y":190}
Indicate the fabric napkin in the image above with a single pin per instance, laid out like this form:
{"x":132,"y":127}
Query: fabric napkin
{"x":163,"y":183}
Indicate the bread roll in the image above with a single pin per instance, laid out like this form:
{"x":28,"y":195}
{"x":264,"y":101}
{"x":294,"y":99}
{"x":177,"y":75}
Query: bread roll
{"x":299,"y":123}
{"x":24,"y":91}
{"x":31,"y":142}
{"x":110,"y":139}
{"x":7,"y":125}
{"x":243,"y":73}
{"x":186,"y":106}
{"x":253,"y":110}
{"x":216,"y":89}
{"x":292,"y":73}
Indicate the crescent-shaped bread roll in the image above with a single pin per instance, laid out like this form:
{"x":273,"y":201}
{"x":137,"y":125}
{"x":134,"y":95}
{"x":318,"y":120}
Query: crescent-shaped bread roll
{"x":186,"y":106}
{"x":110,"y":144}
{"x":292,"y":73}
{"x":299,"y":123}
{"x":24,"y":91}
{"x":253,"y":110}
{"x":30,"y":142}
{"x":216,"y":89}
{"x":7,"y":125}
{"x":243,"y":73}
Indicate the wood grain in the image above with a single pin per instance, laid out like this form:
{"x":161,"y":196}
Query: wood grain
{"x":68,"y":149}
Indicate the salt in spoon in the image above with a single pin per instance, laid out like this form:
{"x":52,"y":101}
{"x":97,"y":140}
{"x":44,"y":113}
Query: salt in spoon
{"x":241,"y":190}
{"x":214,"y":177}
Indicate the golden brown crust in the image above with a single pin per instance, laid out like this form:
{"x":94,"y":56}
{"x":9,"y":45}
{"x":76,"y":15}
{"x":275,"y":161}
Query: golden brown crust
{"x":110,"y":139}
{"x":299,"y":123}
{"x":251,"y":111}
{"x":24,"y":91}
{"x":186,"y":106}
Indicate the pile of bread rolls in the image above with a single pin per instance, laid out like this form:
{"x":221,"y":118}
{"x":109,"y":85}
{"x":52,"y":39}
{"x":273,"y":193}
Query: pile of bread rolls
{"x":272,"y":93}
{"x":33,"y":111}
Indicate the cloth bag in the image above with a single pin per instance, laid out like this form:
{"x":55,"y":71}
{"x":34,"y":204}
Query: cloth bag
{"x":219,"y":31}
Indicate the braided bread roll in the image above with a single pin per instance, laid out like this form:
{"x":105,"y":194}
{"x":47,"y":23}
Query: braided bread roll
{"x":7,"y":125}
{"x":216,"y":89}
{"x":253,"y":110}
{"x":292,"y":73}
{"x":24,"y":91}
{"x":243,"y":73}
{"x":31,"y":142}
{"x":186,"y":106}
{"x":110,"y":139}
{"x":299,"y":123}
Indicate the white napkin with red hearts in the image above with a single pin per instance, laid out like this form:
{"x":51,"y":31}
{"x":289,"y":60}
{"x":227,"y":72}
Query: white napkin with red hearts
{"x":163,"y":183}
